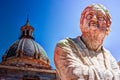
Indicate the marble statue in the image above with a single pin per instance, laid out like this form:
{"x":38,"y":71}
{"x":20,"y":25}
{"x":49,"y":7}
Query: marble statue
{"x":84,"y":57}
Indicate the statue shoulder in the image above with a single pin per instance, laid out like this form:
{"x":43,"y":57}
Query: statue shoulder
{"x":64,"y":43}
{"x":106,"y":51}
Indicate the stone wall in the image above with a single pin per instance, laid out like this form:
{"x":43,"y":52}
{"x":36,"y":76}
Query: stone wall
{"x":14,"y":73}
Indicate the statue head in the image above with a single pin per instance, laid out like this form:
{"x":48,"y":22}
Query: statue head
{"x":95,"y":24}
{"x":97,"y":16}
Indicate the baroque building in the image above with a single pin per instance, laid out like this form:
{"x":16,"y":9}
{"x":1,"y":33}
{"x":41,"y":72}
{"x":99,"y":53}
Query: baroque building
{"x":26,"y":59}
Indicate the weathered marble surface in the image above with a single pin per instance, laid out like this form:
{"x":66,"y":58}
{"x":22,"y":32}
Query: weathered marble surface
{"x":75,"y":62}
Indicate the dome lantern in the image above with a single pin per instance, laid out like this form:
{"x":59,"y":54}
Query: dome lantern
{"x":27,"y":30}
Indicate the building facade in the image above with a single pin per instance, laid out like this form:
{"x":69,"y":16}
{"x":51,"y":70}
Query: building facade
{"x":26,"y":59}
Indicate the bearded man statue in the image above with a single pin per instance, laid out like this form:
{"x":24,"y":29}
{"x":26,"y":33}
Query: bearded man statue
{"x":84,"y":57}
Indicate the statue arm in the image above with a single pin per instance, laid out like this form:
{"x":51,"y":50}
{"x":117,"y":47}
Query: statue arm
{"x":115,"y":68}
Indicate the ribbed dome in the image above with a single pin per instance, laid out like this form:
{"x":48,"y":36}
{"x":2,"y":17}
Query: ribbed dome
{"x":26,"y":47}
{"x":26,"y":51}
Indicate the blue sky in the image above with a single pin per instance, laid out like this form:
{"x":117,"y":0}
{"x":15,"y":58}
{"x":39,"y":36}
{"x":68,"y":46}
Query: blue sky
{"x":53,"y":20}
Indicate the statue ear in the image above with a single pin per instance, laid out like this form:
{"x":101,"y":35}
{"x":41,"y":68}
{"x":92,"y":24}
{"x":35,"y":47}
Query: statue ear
{"x":81,"y":19}
{"x":109,"y":22}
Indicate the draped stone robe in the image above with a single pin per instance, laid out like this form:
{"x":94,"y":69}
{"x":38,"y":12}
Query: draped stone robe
{"x":74,"y":61}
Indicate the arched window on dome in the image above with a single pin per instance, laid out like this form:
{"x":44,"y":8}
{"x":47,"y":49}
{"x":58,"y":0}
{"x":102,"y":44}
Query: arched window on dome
{"x":23,"y":32}
{"x":27,"y":32}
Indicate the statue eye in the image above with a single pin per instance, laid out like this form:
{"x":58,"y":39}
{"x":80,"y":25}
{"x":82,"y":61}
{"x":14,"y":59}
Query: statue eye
{"x":101,"y":18}
{"x":89,"y":16}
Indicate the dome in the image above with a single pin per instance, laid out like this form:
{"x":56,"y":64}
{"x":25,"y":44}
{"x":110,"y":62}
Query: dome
{"x":25,"y":51}
{"x":26,"y":47}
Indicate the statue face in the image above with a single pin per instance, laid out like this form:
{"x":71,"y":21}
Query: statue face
{"x":95,"y":25}
{"x":95,"y":19}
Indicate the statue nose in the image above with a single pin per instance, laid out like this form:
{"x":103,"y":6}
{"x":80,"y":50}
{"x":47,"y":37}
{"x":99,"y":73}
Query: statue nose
{"x":94,"y":18}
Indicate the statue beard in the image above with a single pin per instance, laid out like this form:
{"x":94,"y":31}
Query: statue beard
{"x":93,"y":39}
